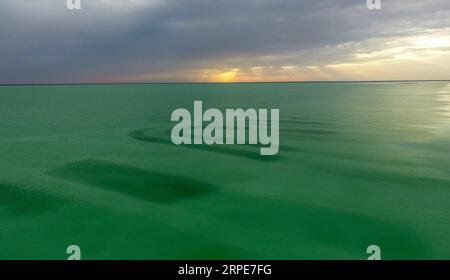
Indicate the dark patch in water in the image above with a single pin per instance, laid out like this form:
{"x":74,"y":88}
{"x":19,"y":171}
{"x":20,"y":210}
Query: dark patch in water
{"x":144,"y":184}
{"x":24,"y":202}
{"x":142,"y":135}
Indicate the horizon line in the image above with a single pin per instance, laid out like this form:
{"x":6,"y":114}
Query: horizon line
{"x":222,"y":83}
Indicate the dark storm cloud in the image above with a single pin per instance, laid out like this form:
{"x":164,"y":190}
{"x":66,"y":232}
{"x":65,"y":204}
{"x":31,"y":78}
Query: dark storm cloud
{"x":112,"y":40}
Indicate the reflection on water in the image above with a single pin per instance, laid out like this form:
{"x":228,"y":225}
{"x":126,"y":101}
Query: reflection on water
{"x":444,"y":100}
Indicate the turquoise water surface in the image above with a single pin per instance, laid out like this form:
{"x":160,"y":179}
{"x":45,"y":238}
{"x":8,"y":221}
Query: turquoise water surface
{"x":93,"y":165}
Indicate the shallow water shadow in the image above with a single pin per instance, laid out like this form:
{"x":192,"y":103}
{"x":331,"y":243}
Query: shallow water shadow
{"x":23,"y":202}
{"x":141,"y":135}
{"x":144,"y":184}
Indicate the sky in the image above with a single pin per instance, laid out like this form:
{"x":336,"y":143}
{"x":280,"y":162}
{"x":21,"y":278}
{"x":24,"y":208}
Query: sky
{"x":41,"y":41}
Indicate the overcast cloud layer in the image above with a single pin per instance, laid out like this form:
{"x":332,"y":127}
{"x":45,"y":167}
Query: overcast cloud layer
{"x":222,"y":40}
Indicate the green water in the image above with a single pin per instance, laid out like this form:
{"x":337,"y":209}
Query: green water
{"x":359,"y":164}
